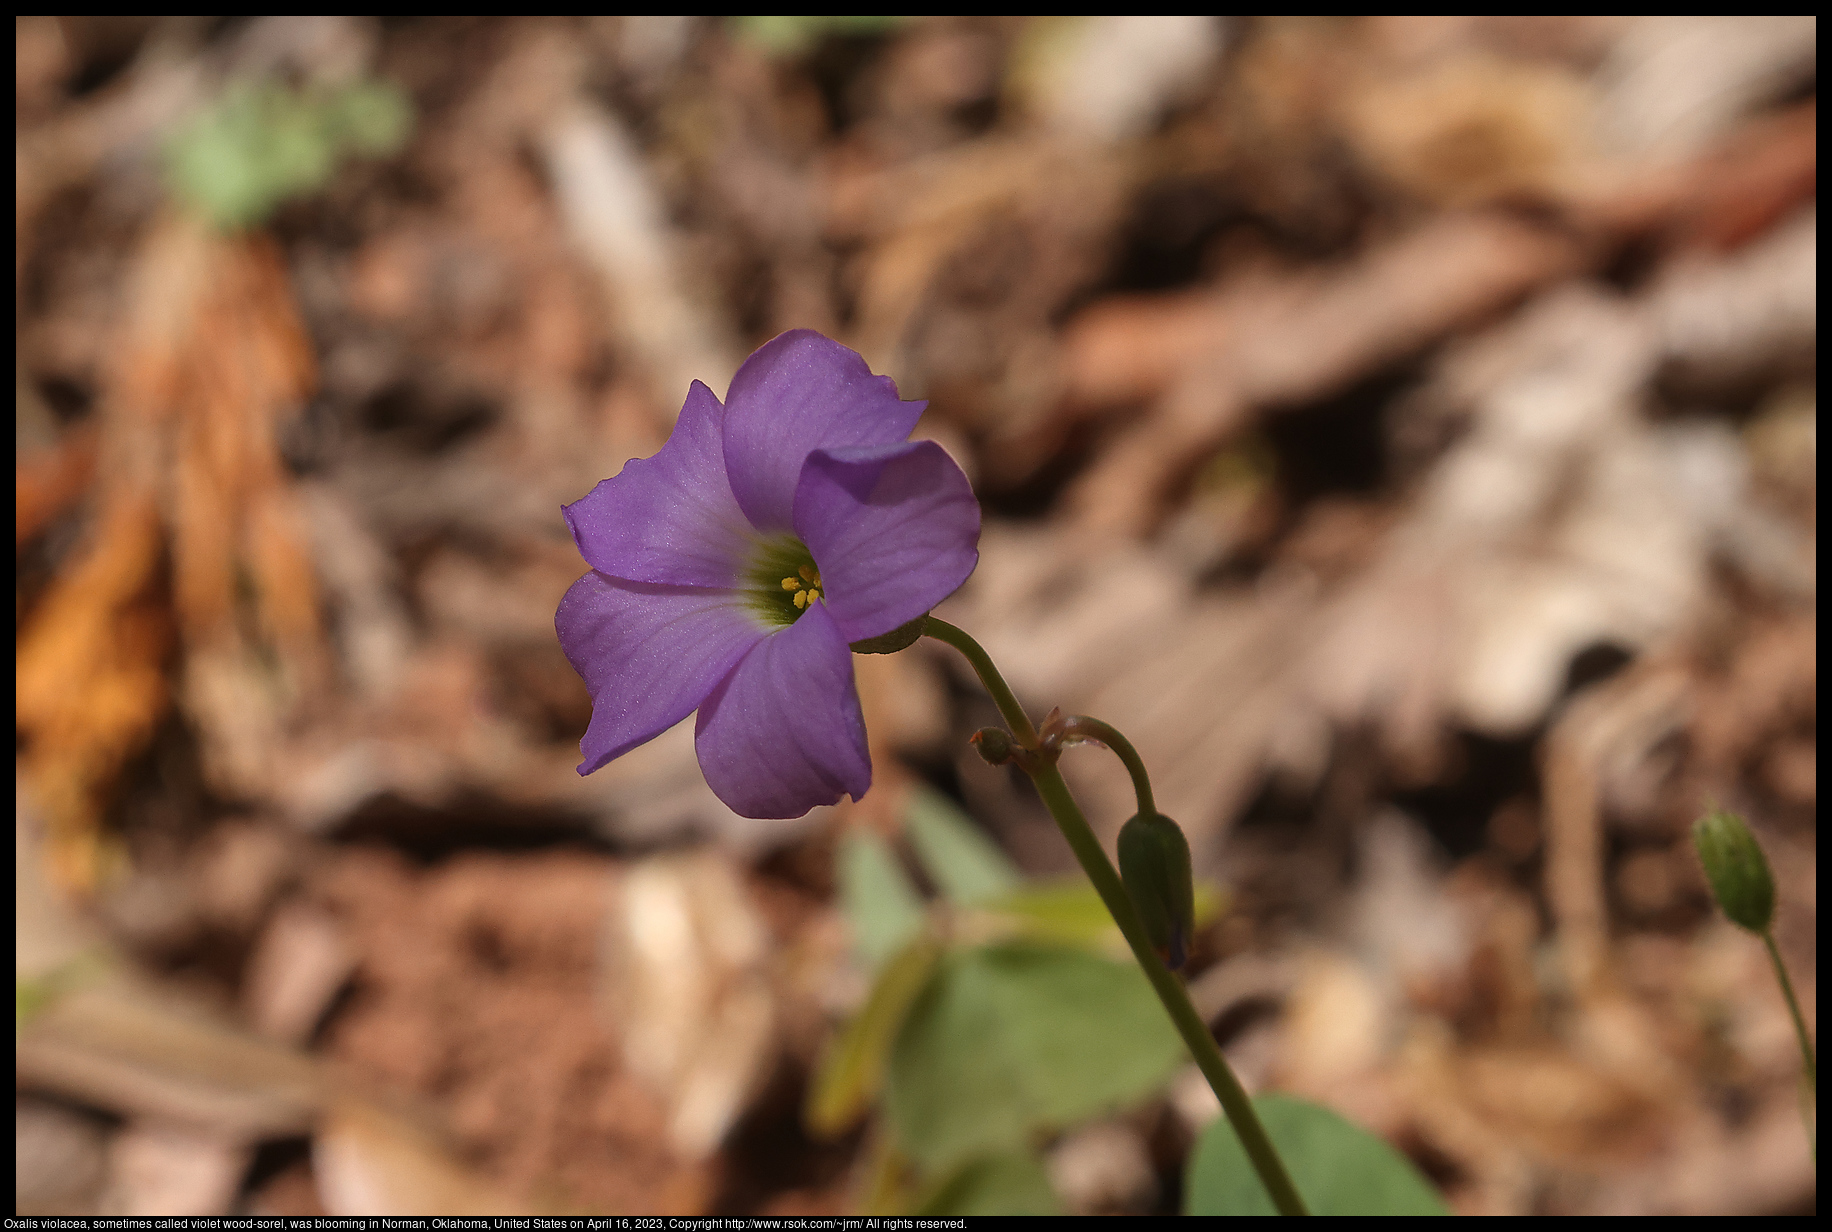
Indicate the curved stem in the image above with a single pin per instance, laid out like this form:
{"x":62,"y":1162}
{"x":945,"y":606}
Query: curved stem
{"x":1002,"y":696}
{"x":1105,"y":733}
{"x":1793,"y":1006}
{"x":1093,"y":859}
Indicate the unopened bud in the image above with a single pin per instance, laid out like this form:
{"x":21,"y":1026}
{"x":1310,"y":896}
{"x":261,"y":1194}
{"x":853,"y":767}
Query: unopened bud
{"x":993,"y":744}
{"x":1736,"y":868}
{"x":1155,"y":867}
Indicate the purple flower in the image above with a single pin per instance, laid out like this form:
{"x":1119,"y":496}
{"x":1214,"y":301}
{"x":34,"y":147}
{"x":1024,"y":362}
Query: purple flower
{"x":732,"y":571}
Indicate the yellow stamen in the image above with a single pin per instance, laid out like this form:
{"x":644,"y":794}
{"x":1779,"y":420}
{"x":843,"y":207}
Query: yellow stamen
{"x":810,"y":574}
{"x":791,"y":584}
{"x":801,"y":598}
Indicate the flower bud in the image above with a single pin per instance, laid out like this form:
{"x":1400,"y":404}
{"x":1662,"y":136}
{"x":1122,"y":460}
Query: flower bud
{"x":993,"y":744}
{"x":1736,"y":868}
{"x":1155,"y":867}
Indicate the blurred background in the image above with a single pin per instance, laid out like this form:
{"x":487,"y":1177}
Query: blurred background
{"x":1403,"y":429}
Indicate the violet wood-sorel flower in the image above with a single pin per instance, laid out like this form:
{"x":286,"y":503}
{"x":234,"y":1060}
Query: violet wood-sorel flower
{"x":734,"y":569}
{"x":736,"y":572}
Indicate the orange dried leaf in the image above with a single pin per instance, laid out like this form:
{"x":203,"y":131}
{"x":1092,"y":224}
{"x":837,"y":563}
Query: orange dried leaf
{"x":91,"y":682}
{"x":49,"y":484}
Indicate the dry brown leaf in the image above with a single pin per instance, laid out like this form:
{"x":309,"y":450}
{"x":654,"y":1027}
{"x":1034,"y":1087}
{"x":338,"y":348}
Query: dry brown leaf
{"x":1127,"y":349}
{"x":1723,"y":198}
{"x":136,"y":1050}
{"x":241,"y":362}
{"x":495,"y":1011}
{"x":208,"y":373}
{"x":299,"y":964}
{"x":45,"y":486}
{"x":91,"y":682}
{"x":62,"y":1160}
{"x":1613,"y":722}
{"x":1041,"y":207}
{"x":1474,"y":128}
{"x":1761,"y":1165}
{"x":212,"y":355}
{"x":1285,"y":342}
{"x":685,"y":950}
{"x":1672,"y":83}
{"x":164,"y":1170}
{"x":372,"y":1162}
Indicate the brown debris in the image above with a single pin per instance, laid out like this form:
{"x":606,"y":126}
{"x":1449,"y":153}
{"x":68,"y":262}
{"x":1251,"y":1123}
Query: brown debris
{"x":91,"y":685}
{"x":1259,"y":347}
{"x":1402,"y":428}
{"x":495,"y":1012}
{"x":46,"y":487}
{"x":143,"y":1052}
{"x":165,"y":1170}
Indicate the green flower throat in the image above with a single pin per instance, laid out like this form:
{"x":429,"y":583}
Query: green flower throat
{"x":782,"y":580}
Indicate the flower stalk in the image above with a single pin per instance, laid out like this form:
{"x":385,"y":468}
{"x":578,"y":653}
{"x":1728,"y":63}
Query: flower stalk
{"x":1079,"y":727}
{"x":1093,"y":859}
{"x":982,"y":664}
{"x":1793,"y":1006}
{"x":1744,"y":888}
{"x":1809,"y":1064}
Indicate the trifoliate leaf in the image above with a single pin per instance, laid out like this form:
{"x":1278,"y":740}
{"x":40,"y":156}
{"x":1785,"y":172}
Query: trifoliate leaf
{"x":965,"y":864}
{"x":881,"y":905}
{"x":1010,"y":1040}
{"x":1339,"y":1168}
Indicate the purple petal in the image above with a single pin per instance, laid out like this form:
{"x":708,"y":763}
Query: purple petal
{"x":649,"y":655}
{"x":894,"y":530}
{"x":784,"y":732}
{"x":671,"y":518}
{"x":797,"y":393}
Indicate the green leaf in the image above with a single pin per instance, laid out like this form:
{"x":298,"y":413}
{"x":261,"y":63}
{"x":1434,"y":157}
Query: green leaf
{"x":33,"y":995}
{"x":1066,"y":912}
{"x":1339,"y":1168}
{"x":259,"y":145}
{"x":852,"y":1071}
{"x":966,"y":865}
{"x":1011,"y":1184}
{"x":789,"y":36}
{"x":368,"y":117}
{"x":1070,"y":912}
{"x":1009,"y":1040}
{"x":880,"y":903}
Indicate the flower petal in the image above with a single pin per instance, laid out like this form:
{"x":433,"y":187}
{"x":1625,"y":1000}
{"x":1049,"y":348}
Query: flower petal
{"x":894,"y":530}
{"x":671,"y":518}
{"x":784,"y":733}
{"x":797,"y":393}
{"x":649,"y":655}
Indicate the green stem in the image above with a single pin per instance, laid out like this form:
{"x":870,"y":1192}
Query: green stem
{"x":1094,"y":861}
{"x":1793,"y":1006}
{"x":1002,"y":696}
{"x":1107,"y":734}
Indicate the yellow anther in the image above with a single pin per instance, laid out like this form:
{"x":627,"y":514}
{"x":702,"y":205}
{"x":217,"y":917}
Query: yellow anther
{"x":791,"y":584}
{"x":801,"y":598}
{"x":810,"y":574}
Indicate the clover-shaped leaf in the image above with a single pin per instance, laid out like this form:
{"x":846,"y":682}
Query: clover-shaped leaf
{"x":1339,"y":1168}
